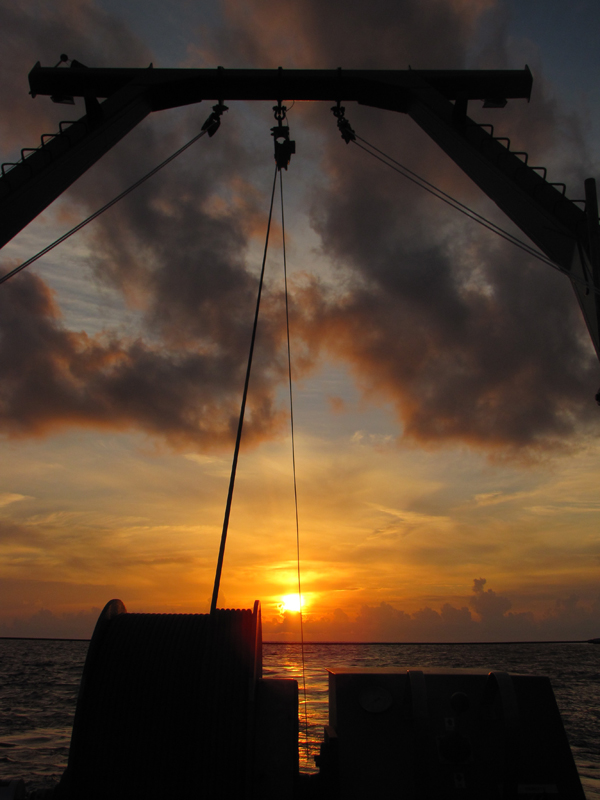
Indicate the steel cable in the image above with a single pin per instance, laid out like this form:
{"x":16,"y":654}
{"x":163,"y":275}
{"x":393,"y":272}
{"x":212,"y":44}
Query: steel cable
{"x":213,"y":606}
{"x":378,"y":154}
{"x":104,"y":208}
{"x":289,"y":354}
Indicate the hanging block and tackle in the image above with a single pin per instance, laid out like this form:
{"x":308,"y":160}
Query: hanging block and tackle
{"x":213,"y":122}
{"x":344,"y":126}
{"x":285,"y":148}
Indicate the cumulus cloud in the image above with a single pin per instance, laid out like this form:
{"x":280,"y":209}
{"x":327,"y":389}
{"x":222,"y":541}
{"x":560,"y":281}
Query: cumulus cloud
{"x":53,"y":377}
{"x":177,"y":253}
{"x":471,"y":340}
{"x":487,"y":603}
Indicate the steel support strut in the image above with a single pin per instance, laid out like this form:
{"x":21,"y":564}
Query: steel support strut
{"x":39,"y":178}
{"x":565,"y":233}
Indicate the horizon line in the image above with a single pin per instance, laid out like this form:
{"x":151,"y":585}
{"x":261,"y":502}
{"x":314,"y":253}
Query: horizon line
{"x":270,"y":641}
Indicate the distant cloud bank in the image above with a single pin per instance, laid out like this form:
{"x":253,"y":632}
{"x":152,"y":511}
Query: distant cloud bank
{"x":487,"y":617}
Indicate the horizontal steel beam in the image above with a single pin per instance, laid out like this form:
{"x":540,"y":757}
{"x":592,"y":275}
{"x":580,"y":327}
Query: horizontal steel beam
{"x":169,"y":88}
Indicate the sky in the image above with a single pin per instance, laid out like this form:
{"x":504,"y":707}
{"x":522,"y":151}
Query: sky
{"x":447,"y":436}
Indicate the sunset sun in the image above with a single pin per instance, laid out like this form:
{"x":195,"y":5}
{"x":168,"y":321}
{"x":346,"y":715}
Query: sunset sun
{"x":291,"y":602}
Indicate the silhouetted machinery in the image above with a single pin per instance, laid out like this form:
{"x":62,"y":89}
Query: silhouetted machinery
{"x":444,"y":733}
{"x":174,"y":705}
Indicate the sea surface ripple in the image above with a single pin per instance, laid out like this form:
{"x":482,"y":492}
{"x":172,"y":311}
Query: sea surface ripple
{"x":39,"y":683}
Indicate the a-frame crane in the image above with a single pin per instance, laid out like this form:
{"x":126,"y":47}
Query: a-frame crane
{"x":437,"y":100}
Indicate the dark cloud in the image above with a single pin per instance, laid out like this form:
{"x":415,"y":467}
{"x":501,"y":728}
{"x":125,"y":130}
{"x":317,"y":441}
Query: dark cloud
{"x":177,"y":251}
{"x":385,"y":33}
{"x":505,"y":364}
{"x":487,"y":603}
{"x":471,"y":341}
{"x":53,"y":378}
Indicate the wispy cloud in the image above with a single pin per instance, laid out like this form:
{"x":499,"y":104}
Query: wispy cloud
{"x":495,"y":498}
{"x":404,"y":523}
{"x":7,"y":498}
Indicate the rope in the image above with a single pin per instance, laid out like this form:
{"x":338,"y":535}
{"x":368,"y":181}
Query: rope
{"x":104,"y":208}
{"x":468,"y":212}
{"x":289,"y":353}
{"x":213,"y":606}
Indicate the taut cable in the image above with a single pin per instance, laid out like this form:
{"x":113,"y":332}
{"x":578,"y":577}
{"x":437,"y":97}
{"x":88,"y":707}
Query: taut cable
{"x":213,"y":605}
{"x":289,"y":352}
{"x":210,"y":126}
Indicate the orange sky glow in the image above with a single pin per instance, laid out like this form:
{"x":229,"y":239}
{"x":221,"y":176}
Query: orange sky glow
{"x":447,"y":438}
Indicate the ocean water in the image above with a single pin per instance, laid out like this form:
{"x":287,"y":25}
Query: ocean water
{"x":39,"y":682}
